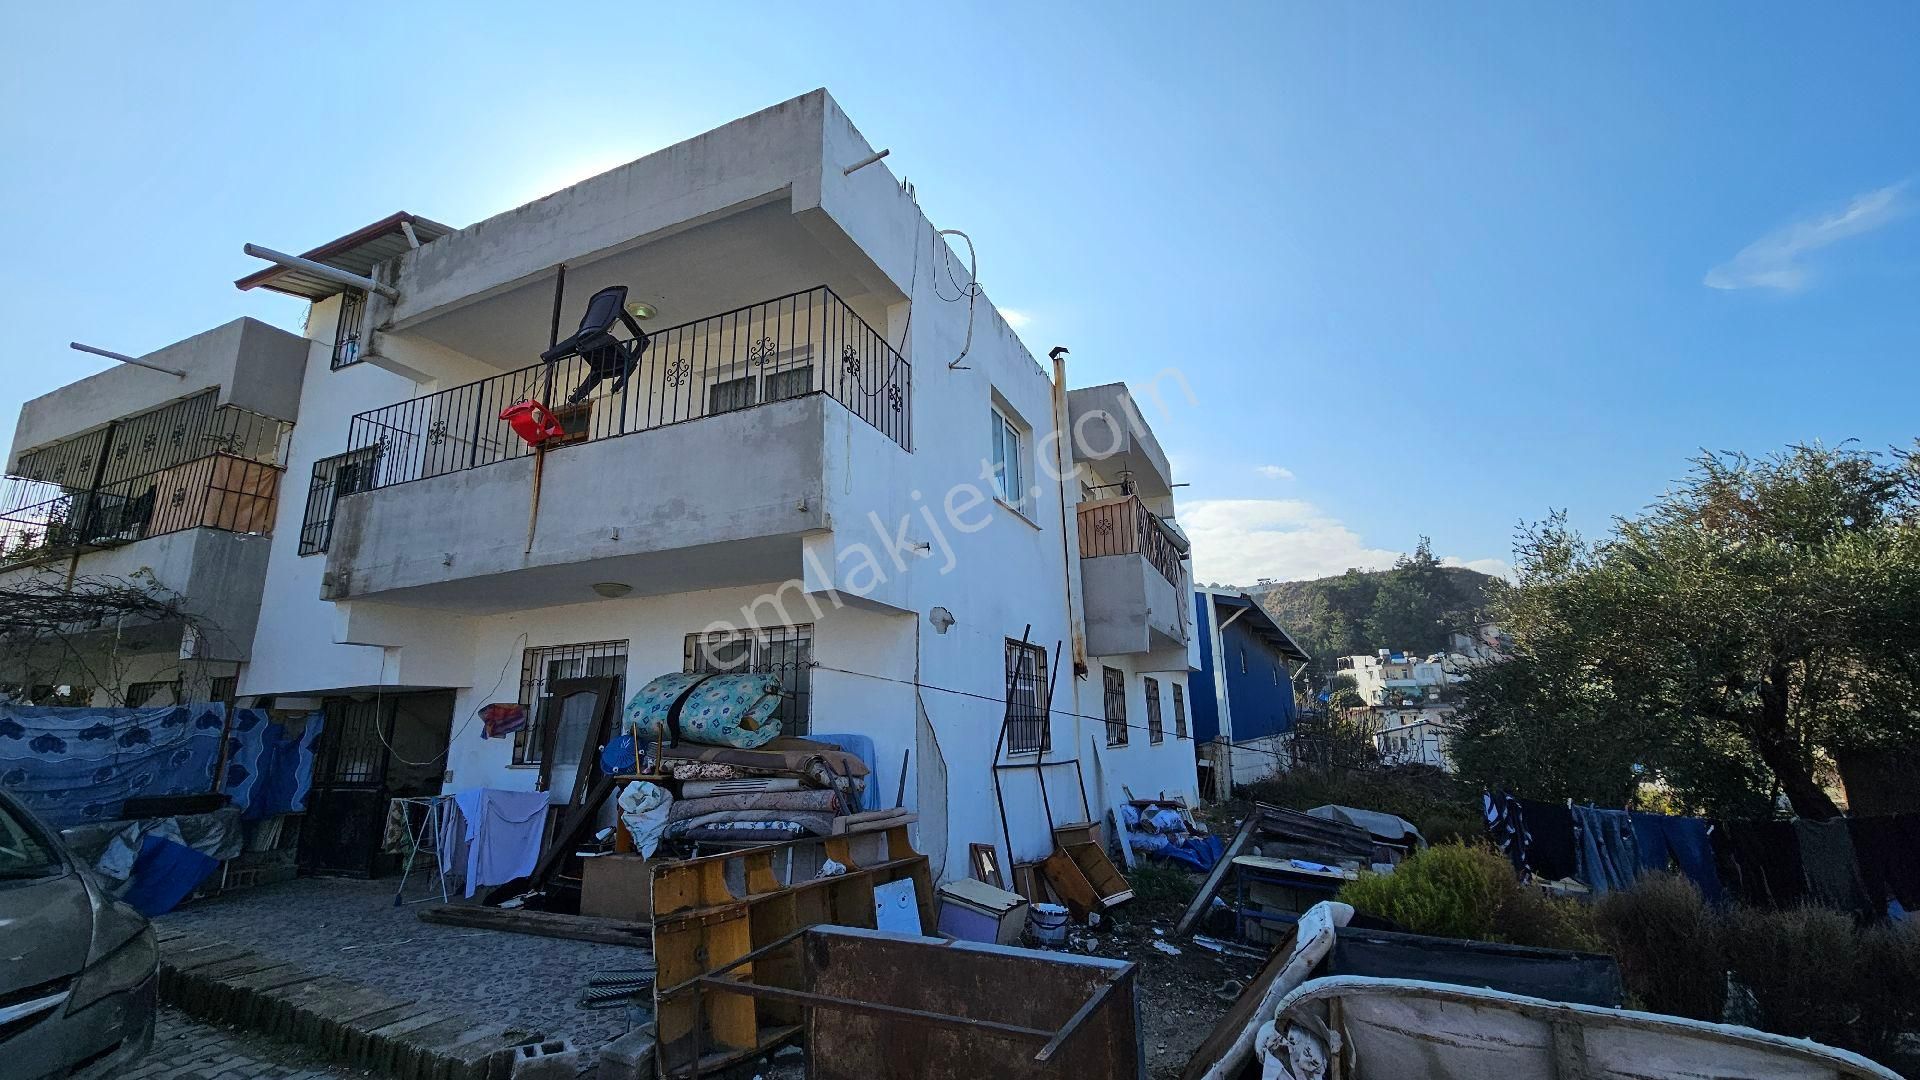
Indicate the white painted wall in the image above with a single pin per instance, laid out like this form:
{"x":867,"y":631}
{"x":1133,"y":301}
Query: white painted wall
{"x":883,"y":670}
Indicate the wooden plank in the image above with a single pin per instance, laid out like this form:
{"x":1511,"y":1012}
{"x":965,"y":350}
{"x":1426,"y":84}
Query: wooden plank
{"x":540,"y":923}
{"x":1218,"y":876}
{"x":1239,"y":1014}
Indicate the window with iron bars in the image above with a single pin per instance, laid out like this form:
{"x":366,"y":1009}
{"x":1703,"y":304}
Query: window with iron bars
{"x":1179,"y":711}
{"x":334,"y":478}
{"x":540,"y":668}
{"x":346,"y":335}
{"x":786,"y":651}
{"x":1156,"y":730}
{"x":146,"y":694}
{"x":1115,"y":683}
{"x":1028,"y":731}
{"x":223,"y":688}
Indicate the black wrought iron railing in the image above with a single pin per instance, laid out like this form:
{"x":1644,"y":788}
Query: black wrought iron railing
{"x":218,"y":491}
{"x":1124,"y":526}
{"x":807,"y":343}
{"x":141,"y":445}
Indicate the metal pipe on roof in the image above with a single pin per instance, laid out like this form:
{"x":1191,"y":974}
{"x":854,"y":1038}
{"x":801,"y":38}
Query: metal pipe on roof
{"x":322,"y":270}
{"x":125,"y":359}
{"x":413,"y":238}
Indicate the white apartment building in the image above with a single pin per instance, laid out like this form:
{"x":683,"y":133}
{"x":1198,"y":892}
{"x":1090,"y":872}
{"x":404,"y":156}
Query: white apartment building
{"x":825,"y":463}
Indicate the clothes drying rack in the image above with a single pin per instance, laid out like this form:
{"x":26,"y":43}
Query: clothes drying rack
{"x":429,"y":818}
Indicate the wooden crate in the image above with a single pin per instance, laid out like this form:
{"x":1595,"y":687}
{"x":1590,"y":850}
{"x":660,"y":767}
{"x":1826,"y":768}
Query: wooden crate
{"x":711,"y":912}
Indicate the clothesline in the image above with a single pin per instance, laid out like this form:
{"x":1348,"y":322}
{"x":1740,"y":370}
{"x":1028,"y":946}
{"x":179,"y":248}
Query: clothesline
{"x":1870,"y":866}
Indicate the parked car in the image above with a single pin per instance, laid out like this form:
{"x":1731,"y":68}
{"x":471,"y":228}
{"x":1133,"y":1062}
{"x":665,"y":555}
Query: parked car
{"x":78,"y":969}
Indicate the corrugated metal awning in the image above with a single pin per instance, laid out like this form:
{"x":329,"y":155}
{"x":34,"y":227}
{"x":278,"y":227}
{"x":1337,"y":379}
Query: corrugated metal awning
{"x":356,"y":253}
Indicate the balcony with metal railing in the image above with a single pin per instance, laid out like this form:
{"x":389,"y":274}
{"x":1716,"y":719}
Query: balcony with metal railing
{"x":192,"y":463}
{"x":723,"y":418}
{"x":1133,"y":577}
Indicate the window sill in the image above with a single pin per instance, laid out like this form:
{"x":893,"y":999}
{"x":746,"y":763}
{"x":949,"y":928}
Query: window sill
{"x":1018,"y":513}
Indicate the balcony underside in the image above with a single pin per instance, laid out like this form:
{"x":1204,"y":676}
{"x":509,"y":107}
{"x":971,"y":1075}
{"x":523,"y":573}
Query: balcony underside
{"x":1131,"y":608}
{"x":718,"y":502}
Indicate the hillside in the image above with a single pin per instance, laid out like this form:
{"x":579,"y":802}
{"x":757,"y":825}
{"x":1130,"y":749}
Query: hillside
{"x":1413,"y":606}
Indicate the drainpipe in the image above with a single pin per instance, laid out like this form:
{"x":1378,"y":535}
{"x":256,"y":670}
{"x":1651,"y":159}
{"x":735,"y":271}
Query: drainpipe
{"x":1063,"y":467}
{"x":1223,"y":709}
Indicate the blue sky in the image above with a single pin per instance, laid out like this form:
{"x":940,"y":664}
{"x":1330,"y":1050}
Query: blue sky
{"x":1428,"y":270}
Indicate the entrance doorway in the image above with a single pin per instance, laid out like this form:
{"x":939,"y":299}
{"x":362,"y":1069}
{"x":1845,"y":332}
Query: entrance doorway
{"x":389,"y":746}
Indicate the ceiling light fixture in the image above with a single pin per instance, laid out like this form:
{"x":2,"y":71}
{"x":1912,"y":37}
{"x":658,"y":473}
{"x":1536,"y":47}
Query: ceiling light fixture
{"x":613,"y":590}
{"x":640,"y":309}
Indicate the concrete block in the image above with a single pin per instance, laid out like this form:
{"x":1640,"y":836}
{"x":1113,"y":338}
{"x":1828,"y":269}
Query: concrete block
{"x":629,"y":1057}
{"x":548,"y":1059}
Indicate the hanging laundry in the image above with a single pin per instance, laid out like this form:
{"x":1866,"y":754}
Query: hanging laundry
{"x":1826,"y":857}
{"x":1507,"y":824}
{"x":501,"y":719}
{"x":503,"y":830}
{"x":1887,"y":850}
{"x":1684,"y":840}
{"x":1609,"y":857}
{"x":1764,"y":857}
{"x":1551,"y":851}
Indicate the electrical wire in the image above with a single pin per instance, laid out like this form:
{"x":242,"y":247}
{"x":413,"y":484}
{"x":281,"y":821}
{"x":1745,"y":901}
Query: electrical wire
{"x":379,"y":695}
{"x":1051,"y":712}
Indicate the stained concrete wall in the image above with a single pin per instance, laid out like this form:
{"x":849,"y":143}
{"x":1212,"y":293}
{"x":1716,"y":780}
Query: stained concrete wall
{"x":747,"y":475}
{"x":255,"y":366}
{"x":1131,"y":607}
{"x":1110,"y":430}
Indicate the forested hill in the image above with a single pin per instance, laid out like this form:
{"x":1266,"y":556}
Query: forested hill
{"x":1412,"y":607}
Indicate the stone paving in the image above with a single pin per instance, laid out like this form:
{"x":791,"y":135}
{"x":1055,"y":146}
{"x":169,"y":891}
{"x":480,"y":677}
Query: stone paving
{"x":351,"y":929}
{"x":186,"y":1049}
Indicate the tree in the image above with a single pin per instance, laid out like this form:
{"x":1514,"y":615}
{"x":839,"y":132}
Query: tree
{"x":1729,"y":640}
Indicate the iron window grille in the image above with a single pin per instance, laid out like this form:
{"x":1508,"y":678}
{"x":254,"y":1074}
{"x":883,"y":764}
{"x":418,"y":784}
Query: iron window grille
{"x":540,"y":667}
{"x":1156,"y":729}
{"x":1179,"y":711}
{"x":223,"y":688}
{"x":353,"y":750}
{"x":346,"y":334}
{"x":786,"y":651}
{"x":148,"y":694}
{"x":334,"y":478}
{"x":1114,"y":682}
{"x":1028,"y":730}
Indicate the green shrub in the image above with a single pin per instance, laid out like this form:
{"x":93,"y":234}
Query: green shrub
{"x":1158,"y":888}
{"x":1668,"y":944}
{"x":1802,"y":967}
{"x":1451,"y":890}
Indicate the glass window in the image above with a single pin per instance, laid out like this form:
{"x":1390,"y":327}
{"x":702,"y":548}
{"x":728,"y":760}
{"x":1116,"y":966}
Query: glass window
{"x":791,"y":383}
{"x":730,"y":395}
{"x":1009,"y":472}
{"x":1179,"y":711}
{"x":1114,"y":682}
{"x":542,"y":666}
{"x":1156,"y":731}
{"x":786,"y":651}
{"x":1028,"y":731}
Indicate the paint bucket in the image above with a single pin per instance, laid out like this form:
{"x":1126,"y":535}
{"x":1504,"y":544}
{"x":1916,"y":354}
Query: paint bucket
{"x":1048,"y":923}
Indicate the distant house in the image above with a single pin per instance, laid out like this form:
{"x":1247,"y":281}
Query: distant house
{"x":1243,"y":707}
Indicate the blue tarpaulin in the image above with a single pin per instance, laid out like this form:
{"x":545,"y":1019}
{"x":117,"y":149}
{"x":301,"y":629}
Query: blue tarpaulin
{"x":75,"y":765}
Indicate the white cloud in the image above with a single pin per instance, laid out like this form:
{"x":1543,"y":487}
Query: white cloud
{"x":1499,"y":568}
{"x":1240,"y":541}
{"x":1774,"y":260}
{"x":1274,"y":472}
{"x":1016,"y":318}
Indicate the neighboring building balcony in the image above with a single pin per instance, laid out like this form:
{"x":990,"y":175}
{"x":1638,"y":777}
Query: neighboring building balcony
{"x":698,"y":466}
{"x":189,"y":464}
{"x":1133,"y":576}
